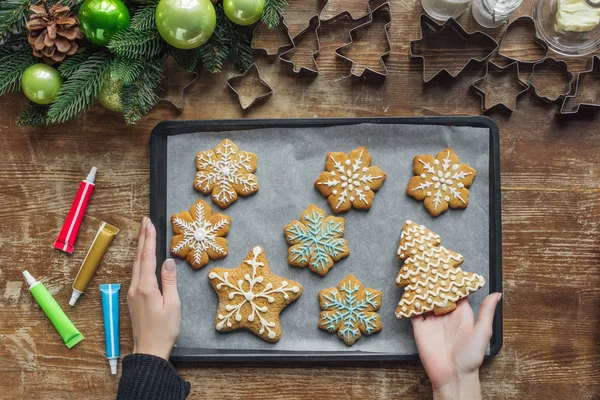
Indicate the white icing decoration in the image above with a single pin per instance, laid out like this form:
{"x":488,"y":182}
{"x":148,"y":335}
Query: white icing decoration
{"x":250,"y":295}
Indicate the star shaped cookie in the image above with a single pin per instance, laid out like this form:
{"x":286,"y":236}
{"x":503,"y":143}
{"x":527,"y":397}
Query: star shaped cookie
{"x":252,"y":297}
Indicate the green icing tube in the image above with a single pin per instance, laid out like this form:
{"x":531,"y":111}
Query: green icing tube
{"x":57,"y":316}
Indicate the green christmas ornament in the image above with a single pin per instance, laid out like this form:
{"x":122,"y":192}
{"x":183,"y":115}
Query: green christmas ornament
{"x":41,"y":83}
{"x":186,"y":24}
{"x":110,"y":95}
{"x":243,"y":12}
{"x":101,"y":19}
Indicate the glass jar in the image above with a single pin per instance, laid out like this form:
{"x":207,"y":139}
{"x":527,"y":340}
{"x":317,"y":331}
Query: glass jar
{"x":444,"y":9}
{"x":493,"y":13}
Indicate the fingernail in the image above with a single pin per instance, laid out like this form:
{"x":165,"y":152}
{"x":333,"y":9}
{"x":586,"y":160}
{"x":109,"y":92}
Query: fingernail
{"x":169,"y":265}
{"x":499,"y":297}
{"x":144,"y":221}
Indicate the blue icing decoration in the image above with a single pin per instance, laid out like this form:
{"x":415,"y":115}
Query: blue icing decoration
{"x":316,"y":241}
{"x":350,"y":310}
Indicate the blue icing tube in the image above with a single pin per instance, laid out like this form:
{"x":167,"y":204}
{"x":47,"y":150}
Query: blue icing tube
{"x":110,"y":308}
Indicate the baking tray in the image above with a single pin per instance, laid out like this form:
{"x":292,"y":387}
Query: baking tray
{"x":412,"y":135}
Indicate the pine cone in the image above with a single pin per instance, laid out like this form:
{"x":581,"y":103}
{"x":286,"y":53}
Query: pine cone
{"x":53,"y":33}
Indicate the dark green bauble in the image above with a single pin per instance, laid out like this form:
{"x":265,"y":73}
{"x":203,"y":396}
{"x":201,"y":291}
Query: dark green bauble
{"x":243,"y":12}
{"x":99,"y":20}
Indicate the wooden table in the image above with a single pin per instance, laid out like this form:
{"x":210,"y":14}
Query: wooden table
{"x":551,"y":232}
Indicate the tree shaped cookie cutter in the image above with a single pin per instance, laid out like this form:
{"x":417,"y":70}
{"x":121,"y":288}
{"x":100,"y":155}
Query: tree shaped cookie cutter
{"x":429,"y":28}
{"x":558,"y":65}
{"x":594,"y":70}
{"x":517,"y":23}
{"x":236,"y":80}
{"x":261,"y":29}
{"x":314,"y":25}
{"x":367,"y":71}
{"x":514,"y":66}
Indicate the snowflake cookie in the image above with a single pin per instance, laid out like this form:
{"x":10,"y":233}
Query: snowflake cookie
{"x":316,"y":240}
{"x":441,"y":181}
{"x":350,"y":310}
{"x":226,"y":172}
{"x":431,"y":274}
{"x":349,"y":181}
{"x":198,"y":235}
{"x":251,"y":296}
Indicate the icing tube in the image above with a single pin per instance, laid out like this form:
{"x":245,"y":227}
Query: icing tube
{"x":68,"y":233}
{"x":92,"y":260}
{"x":59,"y":319}
{"x":110,"y":308}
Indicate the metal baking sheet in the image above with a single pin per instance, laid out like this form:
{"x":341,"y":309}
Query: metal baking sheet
{"x":291,"y":154}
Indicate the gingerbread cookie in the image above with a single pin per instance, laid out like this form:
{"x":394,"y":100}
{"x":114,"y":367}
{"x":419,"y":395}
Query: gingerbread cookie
{"x":441,"y":181}
{"x":350,"y":310}
{"x":198,"y":235}
{"x":349,"y":180}
{"x":316,"y":240}
{"x":431,"y":274}
{"x":251,"y":296}
{"x":226,"y":172}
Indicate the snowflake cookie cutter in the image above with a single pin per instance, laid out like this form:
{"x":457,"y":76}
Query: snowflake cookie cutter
{"x":498,"y":70}
{"x":236,"y":81}
{"x":593,"y":72}
{"x":438,"y":49}
{"x":368,"y":72}
{"x":314,"y":25}
{"x":525,"y":22}
{"x":350,"y":310}
{"x":551,"y":64}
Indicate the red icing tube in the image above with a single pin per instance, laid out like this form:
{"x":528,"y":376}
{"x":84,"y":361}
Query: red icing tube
{"x":68,"y":233}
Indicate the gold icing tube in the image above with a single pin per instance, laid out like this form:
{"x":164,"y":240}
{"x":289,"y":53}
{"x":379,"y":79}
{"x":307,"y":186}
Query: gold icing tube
{"x":92,"y":260}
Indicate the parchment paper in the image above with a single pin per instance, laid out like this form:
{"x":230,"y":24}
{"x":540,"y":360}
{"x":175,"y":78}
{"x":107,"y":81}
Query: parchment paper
{"x":289,"y":161}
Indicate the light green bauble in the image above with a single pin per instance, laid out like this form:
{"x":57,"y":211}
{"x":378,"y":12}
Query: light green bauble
{"x":41,"y":83}
{"x":186,"y":24}
{"x":101,"y":19}
{"x":243,"y":12}
{"x":110,"y":95}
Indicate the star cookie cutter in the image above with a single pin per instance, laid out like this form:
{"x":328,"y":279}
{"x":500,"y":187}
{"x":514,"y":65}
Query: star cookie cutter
{"x":180,"y":105}
{"x":235,"y":81}
{"x":314,"y":25}
{"x":442,"y":50}
{"x":261,"y":30}
{"x":367,"y":71}
{"x":495,"y":69}
{"x":593,"y":72}
{"x":558,"y":67}
{"x":524,"y":22}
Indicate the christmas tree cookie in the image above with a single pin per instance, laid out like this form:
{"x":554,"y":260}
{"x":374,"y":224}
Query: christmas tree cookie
{"x":198,"y":235}
{"x":431,"y":274}
{"x":350,"y":310}
{"x":252,"y":297}
{"x":226,"y":172}
{"x":441,"y":182}
{"x":316,"y":240}
{"x":349,"y":180}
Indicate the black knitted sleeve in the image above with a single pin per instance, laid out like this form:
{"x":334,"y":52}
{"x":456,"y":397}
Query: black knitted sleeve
{"x":148,"y":377}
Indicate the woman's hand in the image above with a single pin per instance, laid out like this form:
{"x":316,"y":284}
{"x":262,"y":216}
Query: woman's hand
{"x":452,"y":347}
{"x":155,"y":317}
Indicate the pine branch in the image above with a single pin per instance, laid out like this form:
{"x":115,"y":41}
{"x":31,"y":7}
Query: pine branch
{"x":272,"y":12}
{"x":126,"y":70}
{"x":13,"y":66}
{"x":73,"y":63}
{"x":214,"y":52}
{"x":13,"y":16}
{"x":187,"y":60}
{"x":80,"y":91}
{"x":143,"y":18}
{"x":139,"y":97}
{"x":33,"y":115}
{"x":240,"y":51}
{"x":131,"y":43}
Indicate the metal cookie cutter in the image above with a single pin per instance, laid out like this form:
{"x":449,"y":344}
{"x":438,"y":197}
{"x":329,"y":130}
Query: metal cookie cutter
{"x":326,"y":15}
{"x":314,"y":25}
{"x":485,"y":93}
{"x":235,"y":82}
{"x":551,"y":67}
{"x":440,"y":43}
{"x":261,"y":30}
{"x":180,"y":105}
{"x":367,"y":71}
{"x":525,"y":22}
{"x":593,"y":72}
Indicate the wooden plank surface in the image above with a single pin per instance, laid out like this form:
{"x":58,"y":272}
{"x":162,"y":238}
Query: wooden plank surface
{"x":551,"y":230}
